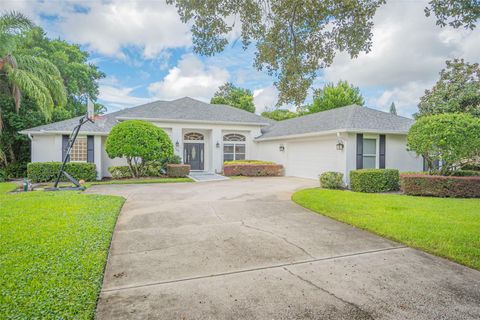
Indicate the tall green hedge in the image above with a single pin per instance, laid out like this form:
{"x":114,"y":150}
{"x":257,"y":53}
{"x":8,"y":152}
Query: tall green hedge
{"x":48,"y":171}
{"x":374,"y":180}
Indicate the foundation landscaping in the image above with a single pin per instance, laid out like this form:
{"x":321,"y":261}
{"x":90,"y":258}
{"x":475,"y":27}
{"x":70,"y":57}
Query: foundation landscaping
{"x":437,"y":211}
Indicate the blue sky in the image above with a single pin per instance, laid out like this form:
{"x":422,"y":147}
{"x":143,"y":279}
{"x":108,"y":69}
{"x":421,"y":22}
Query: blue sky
{"x":146,"y":52}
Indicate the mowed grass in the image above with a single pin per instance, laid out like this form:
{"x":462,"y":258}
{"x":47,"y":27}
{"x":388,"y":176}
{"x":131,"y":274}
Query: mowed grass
{"x":445,"y":227}
{"x":53,"y":250}
{"x":7,"y":187}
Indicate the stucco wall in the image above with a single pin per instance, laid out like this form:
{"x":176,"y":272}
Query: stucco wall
{"x":46,"y":148}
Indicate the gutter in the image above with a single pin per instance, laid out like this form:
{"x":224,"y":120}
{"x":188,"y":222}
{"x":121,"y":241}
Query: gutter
{"x":322,"y":133}
{"x":196,"y":121}
{"x":46,"y":133}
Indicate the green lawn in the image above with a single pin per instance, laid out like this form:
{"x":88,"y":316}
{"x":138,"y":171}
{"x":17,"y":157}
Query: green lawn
{"x":53,"y":249}
{"x":446,"y":227}
{"x":7,"y":187}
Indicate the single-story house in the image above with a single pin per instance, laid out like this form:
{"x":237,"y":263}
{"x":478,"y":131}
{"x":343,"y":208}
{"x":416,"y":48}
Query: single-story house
{"x":206,"y":135}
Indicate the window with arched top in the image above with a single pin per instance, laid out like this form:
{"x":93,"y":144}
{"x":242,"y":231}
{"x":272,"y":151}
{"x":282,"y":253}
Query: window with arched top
{"x":233,"y":137}
{"x":193,"y":136}
{"x":234,"y":147}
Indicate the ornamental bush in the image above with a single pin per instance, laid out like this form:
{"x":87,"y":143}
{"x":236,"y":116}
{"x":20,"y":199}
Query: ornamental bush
{"x":248,"y":162}
{"x":453,"y":139}
{"x":120,"y":172}
{"x":178,"y":170}
{"x":441,"y":186}
{"x":332,"y":180}
{"x":48,"y":171}
{"x":139,"y":142}
{"x":252,"y":169}
{"x":3,"y":175}
{"x":374,"y":180}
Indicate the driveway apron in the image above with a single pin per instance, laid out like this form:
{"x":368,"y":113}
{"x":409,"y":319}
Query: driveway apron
{"x":241,"y":249}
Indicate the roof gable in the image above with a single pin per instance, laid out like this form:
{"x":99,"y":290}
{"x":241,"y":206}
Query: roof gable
{"x":350,"y":118}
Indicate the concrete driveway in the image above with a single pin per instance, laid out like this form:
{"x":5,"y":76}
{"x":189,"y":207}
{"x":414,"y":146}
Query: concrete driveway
{"x":240,"y":249}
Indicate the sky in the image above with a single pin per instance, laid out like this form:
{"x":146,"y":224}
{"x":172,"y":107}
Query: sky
{"x":146,"y":53}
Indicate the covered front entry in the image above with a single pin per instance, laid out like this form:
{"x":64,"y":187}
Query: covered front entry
{"x":194,"y":155}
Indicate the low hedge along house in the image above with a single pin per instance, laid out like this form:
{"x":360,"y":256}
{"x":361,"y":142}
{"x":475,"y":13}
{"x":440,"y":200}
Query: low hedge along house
{"x":205,"y":136}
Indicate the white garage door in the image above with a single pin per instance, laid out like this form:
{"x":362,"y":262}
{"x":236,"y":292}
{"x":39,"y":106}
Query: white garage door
{"x":308,"y":159}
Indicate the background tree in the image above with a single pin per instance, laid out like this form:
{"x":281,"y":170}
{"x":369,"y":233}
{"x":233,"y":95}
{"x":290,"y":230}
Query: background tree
{"x":393,"y":108}
{"x":30,"y":75}
{"x":139,"y":142}
{"x":457,"y":90}
{"x":455,"y":13}
{"x":279,"y":114}
{"x":233,"y":96}
{"x":78,"y":77}
{"x":453,"y":139}
{"x":294,"y":38}
{"x":333,"y":96}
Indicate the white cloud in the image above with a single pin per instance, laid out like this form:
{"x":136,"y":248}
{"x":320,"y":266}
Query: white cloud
{"x":190,"y":78}
{"x":408,"y":52}
{"x":265,"y":98}
{"x":117,"y":97}
{"x":108,"y":27}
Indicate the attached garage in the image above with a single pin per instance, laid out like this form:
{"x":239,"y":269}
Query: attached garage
{"x":309,"y":158}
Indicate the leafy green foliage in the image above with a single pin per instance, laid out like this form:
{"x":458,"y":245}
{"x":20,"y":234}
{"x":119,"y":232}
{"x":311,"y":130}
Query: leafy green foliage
{"x":393,"y":108}
{"x":139,"y":142}
{"x":120,"y":172}
{"x":332,"y":180}
{"x":453,"y":139}
{"x":53,"y":253}
{"x":457,"y":90}
{"x":455,"y":13}
{"x":252,"y":169}
{"x":48,"y":171}
{"x":279,"y":114}
{"x":248,"y":162}
{"x":467,"y":186}
{"x":233,"y":96}
{"x":3,"y":175}
{"x":293,"y":39}
{"x":30,"y":75}
{"x":374,"y":180}
{"x":31,"y":47}
{"x":335,"y":96}
{"x":446,"y":227}
{"x":178,"y":170}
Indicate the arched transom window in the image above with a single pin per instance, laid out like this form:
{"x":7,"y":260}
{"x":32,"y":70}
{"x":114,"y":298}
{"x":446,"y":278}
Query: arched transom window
{"x":234,"y":137}
{"x":193,"y":136}
{"x":233,"y":147}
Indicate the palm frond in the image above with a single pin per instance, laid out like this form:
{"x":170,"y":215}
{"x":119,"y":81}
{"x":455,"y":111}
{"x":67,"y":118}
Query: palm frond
{"x":48,"y":73}
{"x":14,"y":22}
{"x":31,"y":86}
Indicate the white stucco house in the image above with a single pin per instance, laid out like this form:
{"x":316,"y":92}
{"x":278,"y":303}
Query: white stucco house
{"x":206,"y":135}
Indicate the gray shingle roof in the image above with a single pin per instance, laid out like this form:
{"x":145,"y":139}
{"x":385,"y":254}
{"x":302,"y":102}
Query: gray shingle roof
{"x":350,"y":118}
{"x":181,"y":109}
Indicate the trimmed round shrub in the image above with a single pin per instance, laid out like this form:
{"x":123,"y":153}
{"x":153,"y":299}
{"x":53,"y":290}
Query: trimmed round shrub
{"x":441,"y":186}
{"x":48,"y":171}
{"x":139,"y":142}
{"x":332,"y":180}
{"x":450,"y":138}
{"x":374,"y":180}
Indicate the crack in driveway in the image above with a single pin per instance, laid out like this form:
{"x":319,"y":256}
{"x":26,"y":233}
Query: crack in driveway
{"x":355,"y":306}
{"x":278,"y":236}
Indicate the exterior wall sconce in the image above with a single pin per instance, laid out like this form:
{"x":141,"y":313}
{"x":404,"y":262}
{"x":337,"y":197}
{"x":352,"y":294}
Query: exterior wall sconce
{"x":217,"y":145}
{"x":177,"y":144}
{"x":340,"y":145}
{"x":282,"y":147}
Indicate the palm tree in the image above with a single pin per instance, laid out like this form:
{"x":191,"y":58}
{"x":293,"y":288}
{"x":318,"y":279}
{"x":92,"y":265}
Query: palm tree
{"x":30,"y":76}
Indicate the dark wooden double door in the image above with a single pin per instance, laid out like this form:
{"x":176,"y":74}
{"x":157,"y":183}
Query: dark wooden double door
{"x":194,"y":155}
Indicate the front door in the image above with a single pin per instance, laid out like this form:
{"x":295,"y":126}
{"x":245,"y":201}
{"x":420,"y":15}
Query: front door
{"x":194,"y":155}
